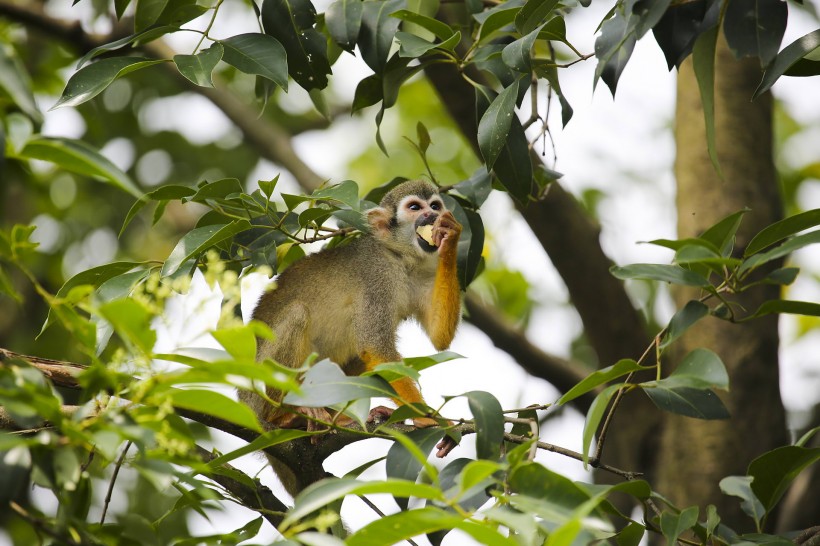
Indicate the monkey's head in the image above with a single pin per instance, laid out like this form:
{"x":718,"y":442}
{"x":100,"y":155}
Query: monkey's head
{"x":403,"y":209}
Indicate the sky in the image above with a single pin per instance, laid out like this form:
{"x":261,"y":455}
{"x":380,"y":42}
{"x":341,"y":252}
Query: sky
{"x":623,"y":147}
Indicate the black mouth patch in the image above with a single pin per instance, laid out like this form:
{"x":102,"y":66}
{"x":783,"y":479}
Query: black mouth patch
{"x":424,"y":245}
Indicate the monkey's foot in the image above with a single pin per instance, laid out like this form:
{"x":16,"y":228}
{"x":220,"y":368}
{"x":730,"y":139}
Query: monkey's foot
{"x":446,"y":445}
{"x":379,"y":414}
{"x":303,"y":417}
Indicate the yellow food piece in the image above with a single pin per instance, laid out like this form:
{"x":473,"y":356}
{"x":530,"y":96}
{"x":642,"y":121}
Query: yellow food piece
{"x":426,"y":233}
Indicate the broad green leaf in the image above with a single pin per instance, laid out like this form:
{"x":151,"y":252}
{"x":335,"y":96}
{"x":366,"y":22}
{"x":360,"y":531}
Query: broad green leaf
{"x":292,"y":22}
{"x":533,"y":15}
{"x":164,"y":193}
{"x":132,"y":321}
{"x":407,"y":457}
{"x":692,"y":312}
{"x":597,"y":378}
{"x":77,"y":156}
{"x":14,"y":80}
{"x":712,"y":520}
{"x":790,"y":307}
{"x":793,"y":244}
{"x":550,"y":73}
{"x":345,"y":192}
{"x":497,"y":19}
{"x":216,"y":404}
{"x":495,"y":124}
{"x":782,"y":276}
{"x":423,"y":362}
{"x":95,"y":276}
{"x":722,"y":234}
{"x":518,"y":54}
{"x":699,"y":369}
{"x":325,"y":492}
{"x":793,"y":56}
{"x":630,"y":535}
{"x":471,"y":242}
{"x":476,"y":472}
{"x":594,"y":416}
{"x":222,"y":188}
{"x":441,"y":30}
{"x":325,"y":384}
{"x":649,"y":14}
{"x":240,"y":341}
{"x":677,"y":244}
{"x":395,"y":528}
{"x":91,"y":80}
{"x":489,"y":424}
{"x":377,"y":32}
{"x":344,"y":19}
{"x":741,"y":487}
{"x":258,"y":54}
{"x":198,"y":68}
{"x":67,"y":468}
{"x":755,"y":28}
{"x":673,"y":525}
{"x":198,"y":240}
{"x":782,"y":229}
{"x":773,"y":472}
{"x":688,"y":401}
{"x":806,"y":437}
{"x":665,"y":273}
{"x":703,"y":58}
{"x":147,"y":13}
{"x":477,"y":188}
{"x":545,"y":493}
{"x":414,"y":47}
{"x":19,"y":130}
{"x":614,"y":46}
{"x":140,"y":37}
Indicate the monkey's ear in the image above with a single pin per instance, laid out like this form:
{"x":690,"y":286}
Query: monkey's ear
{"x":379,"y":220}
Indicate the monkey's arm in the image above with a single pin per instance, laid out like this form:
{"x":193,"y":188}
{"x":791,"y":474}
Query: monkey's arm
{"x":444,"y":311}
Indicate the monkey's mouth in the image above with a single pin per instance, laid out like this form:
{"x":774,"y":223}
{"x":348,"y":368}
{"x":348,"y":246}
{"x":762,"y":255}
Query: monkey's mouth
{"x":424,"y":242}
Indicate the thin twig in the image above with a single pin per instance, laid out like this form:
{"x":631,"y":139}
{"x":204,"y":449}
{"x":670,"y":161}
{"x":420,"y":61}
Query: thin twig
{"x":40,"y":525}
{"x":110,"y":491}
{"x":381,"y":514}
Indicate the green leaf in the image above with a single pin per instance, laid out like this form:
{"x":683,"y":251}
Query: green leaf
{"x":325,"y":492}
{"x":345,"y":192}
{"x":325,"y":384}
{"x":793,"y":56}
{"x":240,"y":341}
{"x":604,"y":375}
{"x":147,"y":13}
{"x":793,"y":244}
{"x":740,"y":486}
{"x":495,"y":124}
{"x":533,"y":15}
{"x":198,"y":68}
{"x":665,"y":273}
{"x":755,"y":28}
{"x":258,"y":54}
{"x":377,"y":32}
{"x":550,"y":73}
{"x":700,"y":369}
{"x":198,"y":240}
{"x":594,"y":416}
{"x":773,"y":472}
{"x":441,"y":30}
{"x":477,"y":188}
{"x":77,"y":156}
{"x":497,"y":19}
{"x":405,"y":459}
{"x":471,"y":242}
{"x":673,"y":525}
{"x":95,"y":276}
{"x":677,"y":244}
{"x":692,"y":312}
{"x":630,"y":535}
{"x":722,"y":234}
{"x":90,"y":81}
{"x":414,"y":47}
{"x":703,"y":58}
{"x":614,"y":46}
{"x":14,"y":80}
{"x":790,"y":307}
{"x":489,"y":424}
{"x":395,"y":528}
{"x":222,"y":188}
{"x":518,"y":54}
{"x":649,"y":14}
{"x":688,"y":401}
{"x":782,"y":276}
{"x":132,"y":321}
{"x":216,"y":404}
{"x":292,"y":22}
{"x":782,"y":229}
{"x":138,"y":38}
{"x":344,"y":19}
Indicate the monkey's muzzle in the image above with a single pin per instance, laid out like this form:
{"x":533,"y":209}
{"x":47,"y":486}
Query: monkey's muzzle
{"x":424,"y":233}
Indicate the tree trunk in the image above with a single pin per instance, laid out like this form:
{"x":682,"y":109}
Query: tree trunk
{"x":695,"y":455}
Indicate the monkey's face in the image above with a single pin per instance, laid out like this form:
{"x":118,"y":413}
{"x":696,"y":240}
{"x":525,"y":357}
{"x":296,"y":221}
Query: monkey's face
{"x":414,"y":211}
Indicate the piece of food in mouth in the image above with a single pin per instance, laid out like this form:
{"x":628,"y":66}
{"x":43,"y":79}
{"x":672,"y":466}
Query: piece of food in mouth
{"x":426,"y":233}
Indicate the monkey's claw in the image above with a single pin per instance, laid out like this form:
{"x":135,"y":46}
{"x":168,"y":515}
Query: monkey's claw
{"x":379,"y":414}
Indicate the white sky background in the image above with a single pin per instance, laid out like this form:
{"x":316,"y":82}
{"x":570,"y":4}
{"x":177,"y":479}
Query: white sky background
{"x":623,"y":147}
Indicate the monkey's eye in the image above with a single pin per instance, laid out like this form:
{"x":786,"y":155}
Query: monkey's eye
{"x":414,"y":206}
{"x":435,"y":206}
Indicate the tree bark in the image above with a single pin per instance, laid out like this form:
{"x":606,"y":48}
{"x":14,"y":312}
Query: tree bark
{"x":695,"y":455}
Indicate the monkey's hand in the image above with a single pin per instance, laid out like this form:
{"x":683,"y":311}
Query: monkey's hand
{"x":446,"y":231}
{"x":304,"y":417}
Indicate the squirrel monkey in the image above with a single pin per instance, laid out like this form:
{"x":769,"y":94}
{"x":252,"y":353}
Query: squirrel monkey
{"x":346,"y":303}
